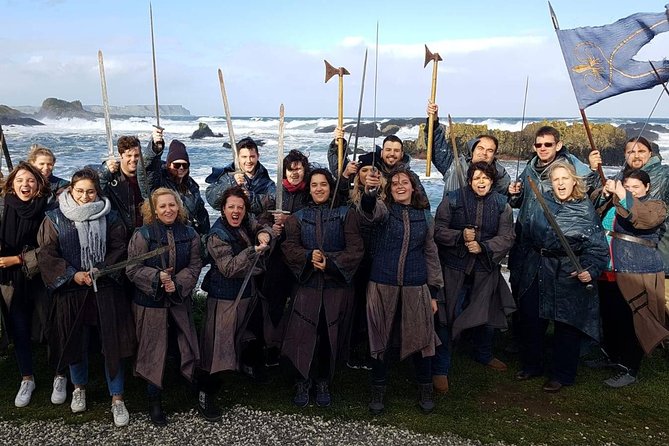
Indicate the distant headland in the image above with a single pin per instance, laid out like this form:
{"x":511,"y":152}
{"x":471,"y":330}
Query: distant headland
{"x":53,"y":108}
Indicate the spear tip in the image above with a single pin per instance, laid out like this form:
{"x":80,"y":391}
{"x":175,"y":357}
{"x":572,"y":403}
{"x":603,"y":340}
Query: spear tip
{"x":554,"y":19}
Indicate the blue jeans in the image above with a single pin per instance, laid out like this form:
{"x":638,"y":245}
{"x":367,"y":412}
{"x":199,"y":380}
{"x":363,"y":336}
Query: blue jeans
{"x":441,"y":361}
{"x":79,"y":370}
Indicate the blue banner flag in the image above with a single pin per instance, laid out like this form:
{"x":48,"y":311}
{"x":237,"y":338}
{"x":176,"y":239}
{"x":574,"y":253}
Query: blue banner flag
{"x":600,"y":59}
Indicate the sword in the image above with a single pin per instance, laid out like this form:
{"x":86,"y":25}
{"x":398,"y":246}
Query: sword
{"x":96,"y":274}
{"x":279,"y":166}
{"x":228,"y":120}
{"x":460,"y":174}
{"x":362,"y":93}
{"x":105,"y":103}
{"x":561,"y":238}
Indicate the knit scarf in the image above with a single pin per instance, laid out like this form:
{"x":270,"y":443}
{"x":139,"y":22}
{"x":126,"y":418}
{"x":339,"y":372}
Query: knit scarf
{"x":89,"y":219}
{"x":20,"y":222}
{"x":299,"y":187}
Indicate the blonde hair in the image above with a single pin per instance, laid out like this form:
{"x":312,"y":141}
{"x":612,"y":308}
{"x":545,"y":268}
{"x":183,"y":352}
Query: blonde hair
{"x":39,"y":150}
{"x":355,"y":194}
{"x":150,"y":217}
{"x":578,"y":193}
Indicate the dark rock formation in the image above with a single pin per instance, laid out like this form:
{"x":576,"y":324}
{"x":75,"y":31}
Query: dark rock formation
{"x":10,"y":116}
{"x":367,"y":129}
{"x":204,"y":131}
{"x":650,"y":132}
{"x":57,"y":108}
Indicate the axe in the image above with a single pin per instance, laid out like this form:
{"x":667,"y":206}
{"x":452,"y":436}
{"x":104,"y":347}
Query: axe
{"x":433,"y":94}
{"x":341,"y":71}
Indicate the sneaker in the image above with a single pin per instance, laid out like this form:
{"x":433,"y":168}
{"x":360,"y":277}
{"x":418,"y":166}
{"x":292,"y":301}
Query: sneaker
{"x":353,"y":364}
{"x":622,"y":379}
{"x":207,"y":407}
{"x":323,"y":398}
{"x":120,"y":413}
{"x":25,"y":393}
{"x":426,"y":398}
{"x":301,"y":398}
{"x":78,"y":403}
{"x":59,"y":392}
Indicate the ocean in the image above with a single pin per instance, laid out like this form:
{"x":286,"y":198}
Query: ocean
{"x":78,"y":142}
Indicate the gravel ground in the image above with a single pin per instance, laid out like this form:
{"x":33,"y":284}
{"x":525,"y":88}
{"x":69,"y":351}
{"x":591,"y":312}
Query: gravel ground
{"x":240,"y":426}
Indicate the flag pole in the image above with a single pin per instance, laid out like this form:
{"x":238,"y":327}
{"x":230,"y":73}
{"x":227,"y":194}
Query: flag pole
{"x":586,"y":124}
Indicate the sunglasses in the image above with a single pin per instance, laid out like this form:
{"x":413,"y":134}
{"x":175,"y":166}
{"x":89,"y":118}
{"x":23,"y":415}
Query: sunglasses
{"x":537,"y":145}
{"x":180,"y":165}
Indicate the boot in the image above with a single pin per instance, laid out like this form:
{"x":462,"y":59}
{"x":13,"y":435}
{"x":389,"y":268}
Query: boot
{"x":425,"y":400}
{"x":206,"y":405}
{"x":156,"y":411}
{"x":376,"y":403}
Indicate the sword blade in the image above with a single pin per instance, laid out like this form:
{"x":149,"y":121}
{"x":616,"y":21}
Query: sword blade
{"x":279,"y":163}
{"x":556,"y":228}
{"x":228,"y":119}
{"x":155,"y":74}
{"x":362,"y":94}
{"x":105,"y":104}
{"x":131,"y":261}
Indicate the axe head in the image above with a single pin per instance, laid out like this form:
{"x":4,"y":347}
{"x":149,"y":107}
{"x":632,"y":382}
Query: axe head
{"x":431,"y":56}
{"x":331,"y":71}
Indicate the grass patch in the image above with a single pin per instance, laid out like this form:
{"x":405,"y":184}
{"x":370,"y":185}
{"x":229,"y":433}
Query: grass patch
{"x":482,"y":404}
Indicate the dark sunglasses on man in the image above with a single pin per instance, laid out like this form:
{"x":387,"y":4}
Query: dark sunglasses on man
{"x":537,"y":145}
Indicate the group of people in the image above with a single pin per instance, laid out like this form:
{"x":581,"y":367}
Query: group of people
{"x":348,"y":265}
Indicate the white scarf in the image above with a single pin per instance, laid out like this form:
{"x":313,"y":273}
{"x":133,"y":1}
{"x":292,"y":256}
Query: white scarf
{"x":91,"y":224}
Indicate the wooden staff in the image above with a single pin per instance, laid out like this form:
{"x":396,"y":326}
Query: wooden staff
{"x":429,"y":56}
{"x":329,"y":72}
{"x":5,"y":151}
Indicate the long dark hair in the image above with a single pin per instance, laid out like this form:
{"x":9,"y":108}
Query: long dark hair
{"x":418,"y":198}
{"x":43,"y":187}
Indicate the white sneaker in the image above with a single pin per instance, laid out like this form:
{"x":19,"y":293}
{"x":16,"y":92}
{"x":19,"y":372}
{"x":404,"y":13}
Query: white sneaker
{"x":59,"y":392}
{"x":121,"y":415}
{"x":78,"y":403}
{"x":25,"y":393}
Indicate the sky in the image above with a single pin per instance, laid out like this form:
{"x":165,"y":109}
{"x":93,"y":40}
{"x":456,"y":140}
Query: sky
{"x":272,"y":52}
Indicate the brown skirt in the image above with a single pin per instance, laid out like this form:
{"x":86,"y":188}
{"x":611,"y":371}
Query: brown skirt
{"x":416,"y":330}
{"x":224,"y":333}
{"x":151,"y":326}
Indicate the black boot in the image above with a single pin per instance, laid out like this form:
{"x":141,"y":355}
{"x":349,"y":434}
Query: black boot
{"x":425,"y":400}
{"x":156,"y":411}
{"x":376,"y":403}
{"x":206,"y":405}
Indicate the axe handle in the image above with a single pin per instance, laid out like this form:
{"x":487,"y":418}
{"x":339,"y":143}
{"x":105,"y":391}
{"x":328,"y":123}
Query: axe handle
{"x":340,"y":121}
{"x":430,"y":122}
